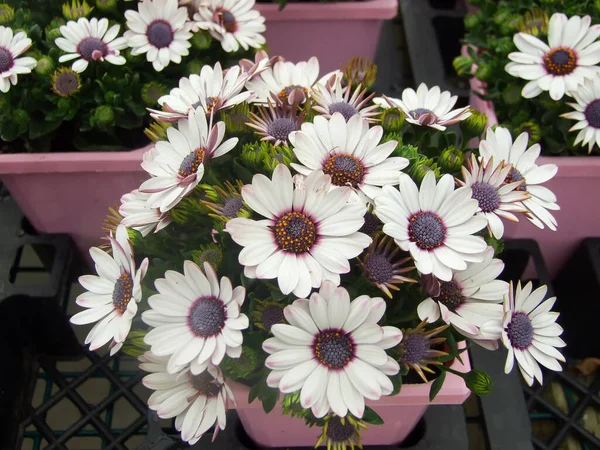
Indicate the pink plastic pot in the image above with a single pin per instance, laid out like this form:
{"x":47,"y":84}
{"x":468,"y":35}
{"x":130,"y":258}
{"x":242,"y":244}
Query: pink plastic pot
{"x":333,"y":32}
{"x":576,"y":185}
{"x":71,"y":192}
{"x":400,"y":414}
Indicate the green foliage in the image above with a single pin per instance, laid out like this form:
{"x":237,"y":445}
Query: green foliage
{"x":490,"y":34}
{"x":108,"y":112}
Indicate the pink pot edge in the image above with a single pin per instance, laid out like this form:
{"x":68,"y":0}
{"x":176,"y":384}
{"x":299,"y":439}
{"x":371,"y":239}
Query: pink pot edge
{"x":569,"y":166}
{"x":357,"y":10}
{"x":453,"y":391}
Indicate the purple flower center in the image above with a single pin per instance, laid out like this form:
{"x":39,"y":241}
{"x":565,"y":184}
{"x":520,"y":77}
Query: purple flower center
{"x":228,"y":21}
{"x":66,"y":83}
{"x":207,"y":317}
{"x":295,"y":232}
{"x":560,"y":61}
{"x":333,"y":348}
{"x":122,"y":292}
{"x":344,"y":170}
{"x":486,"y":195}
{"x":345,"y":109}
{"x":371,"y":225}
{"x":160,"y":34}
{"x":232,"y":207}
{"x":450,"y":295}
{"x":513,"y":176}
{"x":92,"y":49}
{"x":379,"y":268}
{"x":338,"y":432}
{"x":286,"y":91}
{"x":272,"y":315}
{"x":427,"y":230}
{"x":415,"y":347}
{"x":191,"y":163}
{"x":6,"y":60}
{"x":281,"y":128}
{"x":424,"y":116}
{"x":205,"y":384}
{"x":520,"y":331}
{"x":592,"y":113}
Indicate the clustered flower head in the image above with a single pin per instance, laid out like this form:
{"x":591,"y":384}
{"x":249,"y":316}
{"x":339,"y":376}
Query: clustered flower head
{"x":317,"y":251}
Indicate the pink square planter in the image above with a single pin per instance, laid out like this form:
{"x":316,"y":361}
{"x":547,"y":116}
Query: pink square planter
{"x":333,"y":32}
{"x":401,"y":413}
{"x":71,"y":192}
{"x":576,"y":185}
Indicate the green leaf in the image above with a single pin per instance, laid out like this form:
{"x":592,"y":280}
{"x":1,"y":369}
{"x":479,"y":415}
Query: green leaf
{"x":39,"y":128}
{"x":254,"y":390}
{"x":397,"y":383}
{"x":371,"y":417}
{"x":269,"y":399}
{"x":436,"y":386}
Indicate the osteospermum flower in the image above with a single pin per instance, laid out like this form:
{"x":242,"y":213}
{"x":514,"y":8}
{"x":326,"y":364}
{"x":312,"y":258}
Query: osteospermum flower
{"x":309,"y":233}
{"x":196,"y":401}
{"x":113,"y":295}
{"x":382,"y":268}
{"x":90,"y":40}
{"x":160,"y":30}
{"x":212,"y":90}
{"x":225,"y":202}
{"x":348,"y":151}
{"x":340,"y":433}
{"x":276,"y":122}
{"x":471,"y":298}
{"x":65,"y":82}
{"x":267,"y":314}
{"x":435,"y":223}
{"x":11,"y":66}
{"x":332,"y":97}
{"x":495,"y":198}
{"x":560,"y":65}
{"x":137,"y":215}
{"x":333,"y":351}
{"x":196,"y":318}
{"x":498,"y":144}
{"x":178,"y":164}
{"x":427,"y":107}
{"x":529,"y":331}
{"x":587,"y":113}
{"x":233,"y":22}
{"x":417,"y":349}
{"x":290,"y":82}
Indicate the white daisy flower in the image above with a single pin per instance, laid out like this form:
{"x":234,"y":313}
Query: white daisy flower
{"x":529,"y":331}
{"x":349,"y":152}
{"x":110,"y":294}
{"x":233,"y":22}
{"x":333,"y":351}
{"x":90,"y":40}
{"x":332,"y":97}
{"x":137,"y":215}
{"x":276,"y":122}
{"x":435,"y":224}
{"x":196,"y":401}
{"x":587,"y":113}
{"x":471,"y":298}
{"x":427,"y":107}
{"x":178,"y":164}
{"x":498,"y":144}
{"x":496,"y":198}
{"x":290,"y":82}
{"x":261,"y":62}
{"x":196,"y":319}
{"x":559,"y":66}
{"x":11,"y":66}
{"x":212,"y":90}
{"x":160,"y":30}
{"x":308,"y":234}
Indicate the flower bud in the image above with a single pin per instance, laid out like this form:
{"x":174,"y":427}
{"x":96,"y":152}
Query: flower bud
{"x":422,"y":167}
{"x":483,"y":72}
{"x":479,"y":382}
{"x":194,"y":66}
{"x":240,"y":367}
{"x":393,"y":119}
{"x":152,"y":91}
{"x":472,"y":20}
{"x":211,"y":254}
{"x":134,"y":344}
{"x":512,"y":94}
{"x":7,"y":14}
{"x":532,"y":129}
{"x":452,"y":159}
{"x":45,"y":66}
{"x":104,"y":115}
{"x":53,"y":29}
{"x":20,"y":117}
{"x":76,"y":10}
{"x":474,"y":125}
{"x":463,"y":65}
{"x":106,"y":5}
{"x":201,"y":40}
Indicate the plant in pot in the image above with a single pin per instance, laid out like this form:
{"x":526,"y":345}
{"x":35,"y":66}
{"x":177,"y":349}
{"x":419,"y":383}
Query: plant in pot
{"x":333,"y":31}
{"x":316,"y":257}
{"x":534,"y":68}
{"x":86,"y":72}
